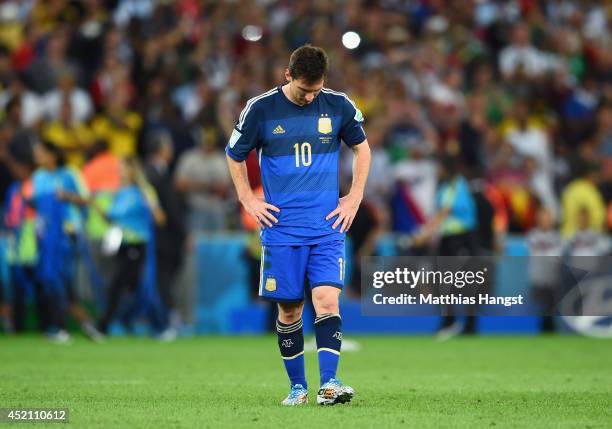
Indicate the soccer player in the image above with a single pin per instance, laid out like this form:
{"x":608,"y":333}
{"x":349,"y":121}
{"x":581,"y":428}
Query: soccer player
{"x":297,"y":129}
{"x":58,"y":225}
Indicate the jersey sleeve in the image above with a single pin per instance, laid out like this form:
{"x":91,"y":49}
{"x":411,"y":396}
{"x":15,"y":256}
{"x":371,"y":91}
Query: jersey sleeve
{"x":352,"y":119}
{"x":245,"y":136}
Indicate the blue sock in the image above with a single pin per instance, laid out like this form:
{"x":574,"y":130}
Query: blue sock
{"x":328,"y":329}
{"x":291,"y":345}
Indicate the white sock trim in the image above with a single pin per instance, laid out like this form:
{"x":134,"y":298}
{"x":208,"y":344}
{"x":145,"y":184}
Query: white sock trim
{"x":325,"y":349}
{"x":294,"y":356}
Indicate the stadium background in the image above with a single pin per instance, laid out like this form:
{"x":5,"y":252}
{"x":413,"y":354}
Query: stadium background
{"x":519,"y":93}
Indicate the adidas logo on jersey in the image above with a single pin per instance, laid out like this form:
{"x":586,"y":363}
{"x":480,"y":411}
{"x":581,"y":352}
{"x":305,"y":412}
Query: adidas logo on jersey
{"x":278,"y":130}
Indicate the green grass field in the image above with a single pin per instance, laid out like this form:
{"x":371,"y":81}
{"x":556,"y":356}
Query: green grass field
{"x":239,"y":382}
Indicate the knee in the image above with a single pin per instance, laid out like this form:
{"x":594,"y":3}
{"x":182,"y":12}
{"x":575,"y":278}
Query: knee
{"x":289,"y":314}
{"x":326,"y":304}
{"x":328,"y":308}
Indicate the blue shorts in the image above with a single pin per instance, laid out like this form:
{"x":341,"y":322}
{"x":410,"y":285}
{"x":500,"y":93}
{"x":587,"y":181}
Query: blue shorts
{"x":285,"y":269}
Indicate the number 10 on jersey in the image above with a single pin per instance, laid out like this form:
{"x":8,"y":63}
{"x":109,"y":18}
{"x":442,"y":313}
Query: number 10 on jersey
{"x":303,"y":152}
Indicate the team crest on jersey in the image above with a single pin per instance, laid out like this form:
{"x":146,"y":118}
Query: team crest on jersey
{"x":325,"y":125}
{"x":270,"y":284}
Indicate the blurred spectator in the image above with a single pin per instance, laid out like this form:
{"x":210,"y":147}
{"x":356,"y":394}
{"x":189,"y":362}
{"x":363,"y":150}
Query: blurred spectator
{"x":101,"y":175}
{"x":67,"y":94}
{"x":545,"y":250}
{"x":584,"y":250}
{"x":508,"y":176}
{"x":407,"y":129}
{"x":59,"y":224}
{"x":417,"y":179}
{"x":202,"y":176}
{"x":582,"y":196}
{"x":134,"y":209}
{"x":22,"y":254}
{"x":22,"y":107}
{"x":454,"y":224}
{"x":497,"y":98}
{"x":527,"y":135}
{"x":133,"y":9}
{"x":6,"y":160}
{"x":520,"y":59}
{"x":74,"y":137}
{"x":586,"y":241}
{"x":380,"y":182}
{"x":171,"y":236}
{"x":118,"y":125}
{"x":43,"y":71}
{"x":456,"y":218}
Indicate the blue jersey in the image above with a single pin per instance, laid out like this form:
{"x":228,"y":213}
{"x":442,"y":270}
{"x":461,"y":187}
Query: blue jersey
{"x":298,"y":148}
{"x":49,"y":208}
{"x":129,"y":210}
{"x":458,"y":199}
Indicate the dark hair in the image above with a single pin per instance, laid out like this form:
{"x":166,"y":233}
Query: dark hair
{"x":99,"y":146}
{"x":451,"y":165}
{"x":584,"y":168}
{"x":309,"y":63}
{"x":4,"y":51}
{"x":55,"y":151}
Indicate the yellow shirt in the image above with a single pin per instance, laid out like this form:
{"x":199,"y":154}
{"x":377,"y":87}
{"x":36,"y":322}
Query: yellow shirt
{"x":509,"y":125}
{"x":11,"y":34}
{"x":578,"y":194}
{"x":74,"y":140}
{"x":121,"y":138}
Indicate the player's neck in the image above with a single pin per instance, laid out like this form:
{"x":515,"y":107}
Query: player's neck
{"x":287,"y":92}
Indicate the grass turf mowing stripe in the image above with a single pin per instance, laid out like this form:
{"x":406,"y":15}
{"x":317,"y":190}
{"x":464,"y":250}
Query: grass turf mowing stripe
{"x":239,"y":382}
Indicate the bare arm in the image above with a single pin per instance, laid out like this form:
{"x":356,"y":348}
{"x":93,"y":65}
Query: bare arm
{"x":361,"y":168}
{"x":256,"y":207}
{"x":431,"y":227}
{"x":159,"y":216}
{"x":348,"y":205}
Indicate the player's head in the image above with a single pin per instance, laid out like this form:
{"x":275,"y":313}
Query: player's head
{"x":129,"y":169}
{"x":132,"y":173}
{"x":545,"y":218}
{"x":47,"y":155}
{"x":448,"y":167}
{"x":306,"y":73}
{"x":584,"y":218}
{"x":160,"y":147}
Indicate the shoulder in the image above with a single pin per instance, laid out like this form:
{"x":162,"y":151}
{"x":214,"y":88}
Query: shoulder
{"x":336,"y":97}
{"x":343,"y":102}
{"x":255,"y":105}
{"x":259,"y":101}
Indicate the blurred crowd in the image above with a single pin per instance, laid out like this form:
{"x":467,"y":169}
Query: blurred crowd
{"x":518,"y":91}
{"x":512,"y":98}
